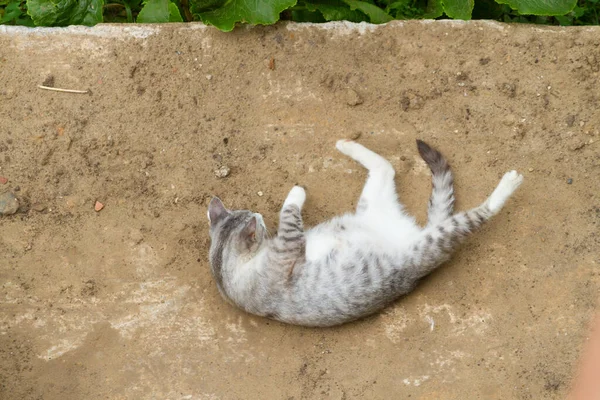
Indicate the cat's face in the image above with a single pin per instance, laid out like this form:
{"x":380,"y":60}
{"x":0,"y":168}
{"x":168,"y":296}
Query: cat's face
{"x":236,"y":236}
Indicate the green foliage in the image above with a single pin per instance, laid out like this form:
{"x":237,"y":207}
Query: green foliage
{"x":225,"y":14}
{"x":159,"y":11}
{"x":458,"y":9}
{"x":264,"y":12}
{"x":333,"y":10}
{"x":14,"y":12}
{"x":376,"y":15}
{"x":65,"y":12}
{"x":544,"y":7}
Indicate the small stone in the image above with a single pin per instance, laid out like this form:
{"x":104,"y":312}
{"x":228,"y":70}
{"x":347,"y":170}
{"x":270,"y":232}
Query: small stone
{"x":98,"y":206}
{"x":577,"y":144}
{"x":355,"y":135}
{"x":259,"y":193}
{"x":530,"y":169}
{"x":570,"y":120}
{"x":9,"y":204}
{"x":38,"y":207}
{"x":3,"y":180}
{"x":509,"y":120}
{"x":49,"y":81}
{"x":209,"y":77}
{"x":353,"y":98}
{"x":569,"y":181}
{"x":222,"y":171}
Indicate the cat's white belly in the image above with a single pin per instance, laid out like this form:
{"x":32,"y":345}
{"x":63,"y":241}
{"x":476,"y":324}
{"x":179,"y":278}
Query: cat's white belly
{"x":381,"y":236}
{"x":319,"y":244}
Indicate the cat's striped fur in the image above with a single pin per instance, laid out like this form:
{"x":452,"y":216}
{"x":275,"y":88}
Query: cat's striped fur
{"x":352,"y":265}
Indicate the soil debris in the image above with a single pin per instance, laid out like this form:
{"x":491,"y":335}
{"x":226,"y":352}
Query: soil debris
{"x":353,"y":98}
{"x":98,"y":206}
{"x":223,"y":171}
{"x":9,"y":204}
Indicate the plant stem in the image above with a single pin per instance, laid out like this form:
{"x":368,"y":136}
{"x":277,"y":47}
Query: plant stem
{"x":129,"y":13}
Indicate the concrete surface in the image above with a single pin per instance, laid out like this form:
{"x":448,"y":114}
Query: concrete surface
{"x":119,"y":304}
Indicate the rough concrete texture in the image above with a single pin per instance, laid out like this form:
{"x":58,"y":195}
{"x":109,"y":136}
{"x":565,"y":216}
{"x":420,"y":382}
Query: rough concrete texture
{"x":120,"y":304}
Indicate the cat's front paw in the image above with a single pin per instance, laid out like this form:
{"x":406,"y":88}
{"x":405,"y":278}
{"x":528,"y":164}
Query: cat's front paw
{"x":295,"y":197}
{"x":346,"y":146}
{"x":508,"y":184}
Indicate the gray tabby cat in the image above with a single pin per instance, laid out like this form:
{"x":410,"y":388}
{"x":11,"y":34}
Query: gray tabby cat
{"x":352,"y":265}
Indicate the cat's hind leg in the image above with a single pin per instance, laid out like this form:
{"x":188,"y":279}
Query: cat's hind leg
{"x":441,"y":202}
{"x":379,"y":193}
{"x":437,"y":242}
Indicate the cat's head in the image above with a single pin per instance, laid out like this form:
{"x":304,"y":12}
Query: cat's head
{"x":236,"y":237}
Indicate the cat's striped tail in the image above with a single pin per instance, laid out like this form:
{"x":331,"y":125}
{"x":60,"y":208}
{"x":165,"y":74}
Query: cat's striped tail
{"x":441,"y":202}
{"x":438,"y":241}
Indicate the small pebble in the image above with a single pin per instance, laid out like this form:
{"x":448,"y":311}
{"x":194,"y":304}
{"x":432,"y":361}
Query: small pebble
{"x":38,"y":207}
{"x":49,"y":81}
{"x":8,"y":203}
{"x":569,"y":181}
{"x":530,"y":169}
{"x":355,"y":135}
{"x":259,"y":193}
{"x":222,"y":172}
{"x":353,"y":98}
{"x":3,"y":180}
{"x":98,"y":206}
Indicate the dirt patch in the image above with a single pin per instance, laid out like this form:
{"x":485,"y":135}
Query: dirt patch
{"x":119,"y":302}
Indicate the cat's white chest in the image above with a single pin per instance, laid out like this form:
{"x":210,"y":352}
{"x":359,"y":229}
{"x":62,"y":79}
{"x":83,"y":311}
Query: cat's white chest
{"x":320,"y":244}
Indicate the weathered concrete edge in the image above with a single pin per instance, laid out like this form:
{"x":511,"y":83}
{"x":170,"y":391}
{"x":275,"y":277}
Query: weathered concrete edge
{"x":142,"y":31}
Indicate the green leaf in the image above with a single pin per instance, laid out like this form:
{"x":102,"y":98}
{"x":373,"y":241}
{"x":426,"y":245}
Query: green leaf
{"x":337,"y":10}
{"x":264,"y":12}
{"x":65,"y":12}
{"x":434,"y":9}
{"x":174,"y":15}
{"x":11,"y":12}
{"x":564,"y":21}
{"x":578,"y":12}
{"x":198,"y":6}
{"x":376,"y":14}
{"x":459,"y":9}
{"x":541,"y":7}
{"x":154,"y":12}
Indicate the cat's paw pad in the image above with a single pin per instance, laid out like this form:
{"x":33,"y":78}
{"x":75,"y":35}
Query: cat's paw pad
{"x":296,"y":197}
{"x":508,"y":184}
{"x":511,"y":181}
{"x":346,"y":146}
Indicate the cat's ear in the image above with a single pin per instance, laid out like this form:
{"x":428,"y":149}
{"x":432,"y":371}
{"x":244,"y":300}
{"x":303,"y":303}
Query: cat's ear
{"x":249,"y":231}
{"x":216,"y":211}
